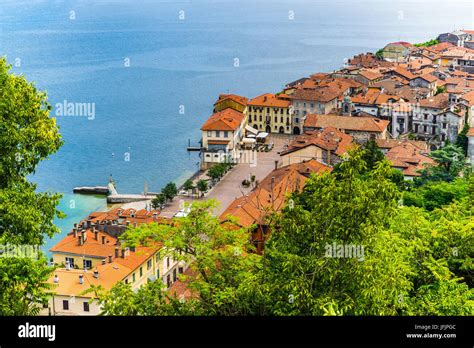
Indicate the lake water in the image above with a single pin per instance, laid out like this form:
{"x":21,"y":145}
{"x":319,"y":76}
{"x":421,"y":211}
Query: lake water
{"x":152,"y":70}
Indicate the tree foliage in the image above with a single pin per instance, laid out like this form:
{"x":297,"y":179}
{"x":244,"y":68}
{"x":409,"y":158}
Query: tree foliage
{"x":27,"y":136}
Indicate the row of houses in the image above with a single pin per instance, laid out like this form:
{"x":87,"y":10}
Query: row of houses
{"x":91,"y":255}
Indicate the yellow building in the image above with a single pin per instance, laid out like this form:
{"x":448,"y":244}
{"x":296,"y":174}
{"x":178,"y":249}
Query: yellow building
{"x":92,"y":255}
{"x":233,"y":101}
{"x":270,"y":113}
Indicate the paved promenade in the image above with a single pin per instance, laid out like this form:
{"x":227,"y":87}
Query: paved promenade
{"x":230,"y":187}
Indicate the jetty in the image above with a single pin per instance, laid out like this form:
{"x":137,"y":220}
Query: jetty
{"x":112,"y":195}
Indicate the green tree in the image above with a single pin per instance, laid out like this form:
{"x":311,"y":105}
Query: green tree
{"x":352,"y":209}
{"x":372,"y":154}
{"x":450,"y":161}
{"x":202,"y":186}
{"x":462,"y":140}
{"x":170,"y":191}
{"x":221,"y":259}
{"x":216,"y":172}
{"x":188,"y":185}
{"x":159,"y":201}
{"x":27,"y":136}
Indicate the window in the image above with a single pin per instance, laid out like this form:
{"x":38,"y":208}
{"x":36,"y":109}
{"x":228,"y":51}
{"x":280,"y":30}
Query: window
{"x":158,"y":273}
{"x":209,"y":133}
{"x":180,"y":270}
{"x":312,"y":105}
{"x":218,"y":134}
{"x":425,"y":128}
{"x":126,"y":281}
{"x":65,"y":305}
{"x":148,"y":264}
{"x":168,"y":280}
{"x":226,"y":134}
{"x":141,"y":271}
{"x":133,"y":277}
{"x":168,"y":262}
{"x":87,"y":264}
{"x":157,"y":257}
{"x":86,"y":306}
{"x":416,"y":127}
{"x":260,"y":118}
{"x":174,"y":275}
{"x":71,"y":261}
{"x":444,"y":125}
{"x":281,"y":119}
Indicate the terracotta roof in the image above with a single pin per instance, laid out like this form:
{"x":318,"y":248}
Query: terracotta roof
{"x":323,"y":94}
{"x":403,"y":72}
{"x":469,"y":97}
{"x":228,"y":119}
{"x":439,"y":101}
{"x":401,"y":43}
{"x":442,"y":46}
{"x":362,"y":124}
{"x":92,"y":247}
{"x":270,"y":194}
{"x":370,"y":74}
{"x":269,"y":100}
{"x":409,"y":157}
{"x":470,"y":132}
{"x":237,"y":98}
{"x":328,"y":139}
{"x":427,"y":77}
{"x":391,"y":143}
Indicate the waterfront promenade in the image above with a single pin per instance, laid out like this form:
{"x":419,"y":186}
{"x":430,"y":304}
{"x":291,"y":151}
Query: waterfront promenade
{"x":230,"y":186}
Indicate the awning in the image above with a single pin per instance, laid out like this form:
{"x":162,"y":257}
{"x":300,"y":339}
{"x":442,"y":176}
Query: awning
{"x":248,"y":140}
{"x":262,"y":135}
{"x":251,"y":129}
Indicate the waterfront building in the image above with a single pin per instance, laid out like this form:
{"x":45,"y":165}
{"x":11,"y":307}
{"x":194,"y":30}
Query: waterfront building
{"x":270,"y":113}
{"x":221,"y":136}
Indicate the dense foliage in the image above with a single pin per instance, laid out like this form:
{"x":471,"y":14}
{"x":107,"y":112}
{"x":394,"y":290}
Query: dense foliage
{"x":27,"y":136}
{"x":411,"y":251}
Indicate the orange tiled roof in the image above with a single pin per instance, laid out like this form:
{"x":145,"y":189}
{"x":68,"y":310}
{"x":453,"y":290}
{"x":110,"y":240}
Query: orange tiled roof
{"x":409,"y":158}
{"x":329,"y":139}
{"x":470,"y":132}
{"x":228,"y":119}
{"x":322,"y":94}
{"x":363,"y":124}
{"x":269,"y":100}
{"x":270,"y":194}
{"x":439,"y":101}
{"x":237,"y":98}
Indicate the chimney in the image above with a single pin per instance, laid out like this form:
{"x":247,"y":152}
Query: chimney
{"x":84,"y":236}
{"x":81,"y":279}
{"x":155,"y":217}
{"x":89,"y":223}
{"x":81,"y":242}
{"x":104,"y":261}
{"x":276,"y":165}
{"x":96,"y":274}
{"x":74,"y":230}
{"x":96,"y":233}
{"x":135,"y":224}
{"x":132,"y":248}
{"x":103,"y":239}
{"x":110,"y":258}
{"x":127,"y":223}
{"x":56,"y":279}
{"x":123,"y":253}
{"x":116,"y":252}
